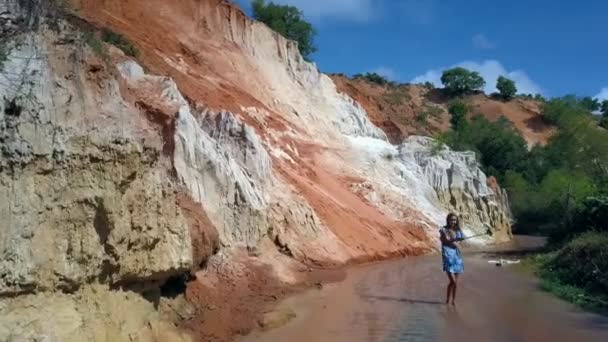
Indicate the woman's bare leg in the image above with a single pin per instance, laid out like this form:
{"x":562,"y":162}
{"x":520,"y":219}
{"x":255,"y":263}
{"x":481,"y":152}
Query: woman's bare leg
{"x":454,"y":285}
{"x":451,"y":285}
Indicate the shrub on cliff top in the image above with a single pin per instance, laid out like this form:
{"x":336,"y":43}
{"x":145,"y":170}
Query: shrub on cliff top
{"x":507,"y":88}
{"x":373,"y":78}
{"x":288,"y":21}
{"x":460,"y":81}
{"x":428,"y":85}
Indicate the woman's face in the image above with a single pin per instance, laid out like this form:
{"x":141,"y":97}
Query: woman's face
{"x":453,"y":221}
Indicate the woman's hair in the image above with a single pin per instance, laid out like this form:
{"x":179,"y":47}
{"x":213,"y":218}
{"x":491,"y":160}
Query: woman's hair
{"x":447,"y":220}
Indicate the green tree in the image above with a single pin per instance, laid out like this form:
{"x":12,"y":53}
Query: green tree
{"x":563,"y":192}
{"x":566,"y":186}
{"x":519,"y":190}
{"x":604,"y":108}
{"x":506,"y":87}
{"x":563,"y":111}
{"x":458,"y":110}
{"x":498,"y":145}
{"x":289,"y":22}
{"x":604,"y":111}
{"x":501,"y":147}
{"x":460,"y":81}
{"x":604,"y":121}
{"x":430,"y":86}
{"x":590,"y":104}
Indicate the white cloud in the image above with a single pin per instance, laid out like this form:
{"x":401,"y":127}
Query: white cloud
{"x":482,"y":42}
{"x":489,"y":70}
{"x":386,"y":72}
{"x":433,"y":76}
{"x":603,"y":95}
{"x":358,"y":10}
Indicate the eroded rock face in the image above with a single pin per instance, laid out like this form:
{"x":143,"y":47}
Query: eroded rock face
{"x":215,"y":177}
{"x":460,"y":186}
{"x":114,"y":179}
{"x":420,"y":183}
{"x":89,"y":202}
{"x":224,"y":165}
{"x":108,"y":215}
{"x":95,"y":314}
{"x":92,"y":164}
{"x":88,"y":197}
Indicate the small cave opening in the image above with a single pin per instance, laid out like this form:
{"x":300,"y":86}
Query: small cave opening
{"x":176,"y":285}
{"x":283,"y":248}
{"x":11,"y":108}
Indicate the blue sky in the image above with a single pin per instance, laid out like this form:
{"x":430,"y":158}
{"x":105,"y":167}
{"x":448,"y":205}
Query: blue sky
{"x":546,"y":46}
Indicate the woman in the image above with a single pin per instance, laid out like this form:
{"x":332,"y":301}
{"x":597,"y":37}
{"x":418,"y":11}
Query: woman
{"x":452,"y":260}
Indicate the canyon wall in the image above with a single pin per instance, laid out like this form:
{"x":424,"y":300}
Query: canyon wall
{"x":119,"y":174}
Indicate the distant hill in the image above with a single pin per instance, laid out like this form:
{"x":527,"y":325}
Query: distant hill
{"x":403,"y":110}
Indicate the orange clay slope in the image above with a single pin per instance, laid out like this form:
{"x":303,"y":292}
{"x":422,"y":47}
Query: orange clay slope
{"x":413,"y":109}
{"x":212,"y":51}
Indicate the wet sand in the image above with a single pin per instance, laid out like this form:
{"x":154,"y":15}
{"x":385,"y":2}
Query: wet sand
{"x":403,"y":301}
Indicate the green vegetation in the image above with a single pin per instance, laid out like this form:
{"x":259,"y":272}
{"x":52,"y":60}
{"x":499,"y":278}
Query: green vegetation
{"x":120,"y":42}
{"x":539,"y":97}
{"x":373,"y":78}
{"x":576,"y":272}
{"x":460,"y":81}
{"x":428,"y":85}
{"x":397,"y":96}
{"x":563,"y":174}
{"x":438,"y":146}
{"x":288,"y":21}
{"x":498,"y":146}
{"x":93,"y":41}
{"x":506,"y":87}
{"x":604,"y":110}
{"x":590,"y":104}
{"x":548,"y":184}
{"x":422,"y":117}
{"x":536,"y":97}
{"x":559,"y":190}
{"x":459,"y":111}
{"x":429,"y":111}
{"x":434,"y":111}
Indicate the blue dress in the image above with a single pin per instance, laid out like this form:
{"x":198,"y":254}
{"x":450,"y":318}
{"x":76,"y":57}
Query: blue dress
{"x":452,"y":260}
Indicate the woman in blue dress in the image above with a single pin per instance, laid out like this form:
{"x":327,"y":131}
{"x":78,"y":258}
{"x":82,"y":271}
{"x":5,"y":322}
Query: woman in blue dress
{"x":452,"y":260}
